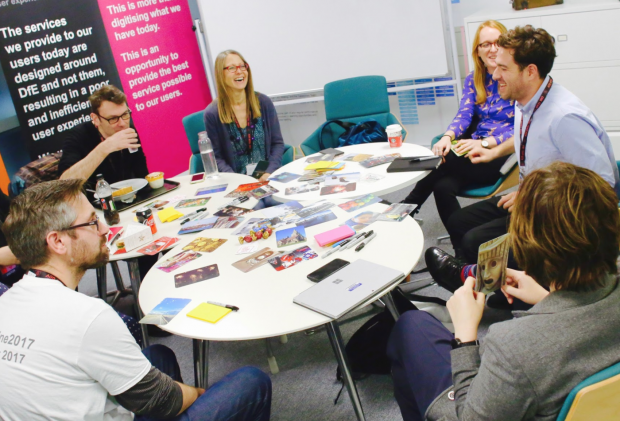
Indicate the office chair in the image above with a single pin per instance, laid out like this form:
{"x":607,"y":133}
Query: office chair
{"x":595,"y":398}
{"x":354,"y":100}
{"x":194,"y":124}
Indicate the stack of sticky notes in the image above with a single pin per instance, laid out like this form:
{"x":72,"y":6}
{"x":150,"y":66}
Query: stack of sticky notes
{"x":209,"y":312}
{"x":325,"y":166}
{"x":169,"y":214}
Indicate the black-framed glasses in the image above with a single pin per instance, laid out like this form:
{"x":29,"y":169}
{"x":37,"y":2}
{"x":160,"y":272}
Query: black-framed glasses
{"x":113,"y":120}
{"x":85,"y":224}
{"x":488,"y":45}
{"x":233,"y":69}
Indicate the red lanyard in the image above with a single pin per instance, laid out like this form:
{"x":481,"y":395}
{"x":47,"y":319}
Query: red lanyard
{"x":250,"y":130}
{"x":42,"y":274}
{"x":542,"y":98}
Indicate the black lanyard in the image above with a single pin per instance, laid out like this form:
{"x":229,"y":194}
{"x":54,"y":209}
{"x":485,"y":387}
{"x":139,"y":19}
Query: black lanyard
{"x":542,"y":98}
{"x":250,"y":132}
{"x":42,"y":274}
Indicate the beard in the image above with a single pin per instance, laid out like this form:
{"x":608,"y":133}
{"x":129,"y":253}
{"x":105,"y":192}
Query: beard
{"x":85,"y":259}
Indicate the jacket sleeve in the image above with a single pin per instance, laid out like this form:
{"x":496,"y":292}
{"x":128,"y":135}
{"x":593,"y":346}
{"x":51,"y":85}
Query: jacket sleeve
{"x":492,"y":387}
{"x":465,"y":114}
{"x":276,"y":141}
{"x":214,"y":126}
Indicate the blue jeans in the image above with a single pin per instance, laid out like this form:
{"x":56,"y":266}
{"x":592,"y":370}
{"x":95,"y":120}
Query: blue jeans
{"x":419,"y":347}
{"x":244,"y":394}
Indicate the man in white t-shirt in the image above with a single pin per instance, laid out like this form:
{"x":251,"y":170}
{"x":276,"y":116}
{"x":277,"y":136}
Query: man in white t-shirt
{"x":64,"y":355}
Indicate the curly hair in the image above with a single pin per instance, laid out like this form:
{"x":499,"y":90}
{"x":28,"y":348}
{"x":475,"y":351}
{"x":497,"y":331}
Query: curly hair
{"x":106,"y":93}
{"x":530,"y":46}
{"x":565,"y":227}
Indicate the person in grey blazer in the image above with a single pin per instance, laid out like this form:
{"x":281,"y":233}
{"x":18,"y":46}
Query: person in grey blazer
{"x":565,"y":235}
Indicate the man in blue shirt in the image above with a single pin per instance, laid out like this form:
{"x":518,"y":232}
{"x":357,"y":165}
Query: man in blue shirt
{"x":551,"y":124}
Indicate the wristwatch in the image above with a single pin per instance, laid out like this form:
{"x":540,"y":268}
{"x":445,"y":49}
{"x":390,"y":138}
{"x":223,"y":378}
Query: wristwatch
{"x":485,"y":144}
{"x":456,"y":343}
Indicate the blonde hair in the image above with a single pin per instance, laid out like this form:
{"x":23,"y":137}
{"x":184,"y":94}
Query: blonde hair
{"x":480,"y":70}
{"x":224,"y":101}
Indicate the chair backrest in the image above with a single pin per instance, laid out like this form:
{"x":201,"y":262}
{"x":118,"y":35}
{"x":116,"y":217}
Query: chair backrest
{"x":194,"y":124}
{"x":595,"y":398}
{"x":362,"y":96}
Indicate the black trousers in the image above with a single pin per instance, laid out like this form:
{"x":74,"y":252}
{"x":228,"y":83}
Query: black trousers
{"x":447,"y":180}
{"x":477,"y":224}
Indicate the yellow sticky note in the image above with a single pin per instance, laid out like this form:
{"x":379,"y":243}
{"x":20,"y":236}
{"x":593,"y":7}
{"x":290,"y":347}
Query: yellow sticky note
{"x":321,"y":164}
{"x":169,"y":214}
{"x":209,"y":312}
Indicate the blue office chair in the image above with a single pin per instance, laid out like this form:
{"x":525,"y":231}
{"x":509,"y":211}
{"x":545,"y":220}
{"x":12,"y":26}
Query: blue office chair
{"x":595,"y":398}
{"x":194,"y":124}
{"x":353,"y":100}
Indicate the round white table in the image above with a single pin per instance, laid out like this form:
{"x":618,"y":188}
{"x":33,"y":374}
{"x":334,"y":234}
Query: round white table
{"x":265,"y":296}
{"x":169,"y":229}
{"x":390,"y":183}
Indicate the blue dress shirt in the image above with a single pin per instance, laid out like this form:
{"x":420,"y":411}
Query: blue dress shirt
{"x":564,"y":129}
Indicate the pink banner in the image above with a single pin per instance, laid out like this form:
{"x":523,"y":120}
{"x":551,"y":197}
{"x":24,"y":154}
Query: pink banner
{"x":159,"y":65}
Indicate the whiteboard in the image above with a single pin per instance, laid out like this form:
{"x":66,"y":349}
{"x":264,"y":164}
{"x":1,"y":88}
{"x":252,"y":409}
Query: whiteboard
{"x":295,"y":46}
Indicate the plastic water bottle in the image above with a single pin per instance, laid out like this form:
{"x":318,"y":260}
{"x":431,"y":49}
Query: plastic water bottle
{"x":207,"y":155}
{"x":104,"y":194}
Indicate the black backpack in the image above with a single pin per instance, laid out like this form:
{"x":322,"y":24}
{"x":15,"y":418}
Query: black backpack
{"x":367,"y":348}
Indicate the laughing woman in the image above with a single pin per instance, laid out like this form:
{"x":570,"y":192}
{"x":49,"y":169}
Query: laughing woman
{"x":483,"y":120}
{"x":242,"y":124}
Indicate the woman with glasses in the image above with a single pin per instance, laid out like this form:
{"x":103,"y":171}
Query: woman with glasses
{"x":241,"y":123}
{"x":484,"y":120}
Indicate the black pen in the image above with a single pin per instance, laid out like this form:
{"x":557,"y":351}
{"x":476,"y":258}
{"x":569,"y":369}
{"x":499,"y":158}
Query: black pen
{"x":189,"y":216}
{"x":233,"y":308}
{"x":425,"y":158}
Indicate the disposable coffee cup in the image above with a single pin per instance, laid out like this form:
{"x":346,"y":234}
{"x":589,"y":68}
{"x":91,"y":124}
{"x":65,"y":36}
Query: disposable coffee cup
{"x":395,"y":135}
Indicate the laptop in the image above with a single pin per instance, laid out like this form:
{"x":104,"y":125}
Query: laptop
{"x":348,"y":288}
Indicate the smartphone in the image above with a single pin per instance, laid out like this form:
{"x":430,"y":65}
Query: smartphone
{"x":326,"y":270}
{"x":197,"y":178}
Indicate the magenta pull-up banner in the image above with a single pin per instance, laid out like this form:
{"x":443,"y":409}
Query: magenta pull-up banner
{"x":56,"y":53}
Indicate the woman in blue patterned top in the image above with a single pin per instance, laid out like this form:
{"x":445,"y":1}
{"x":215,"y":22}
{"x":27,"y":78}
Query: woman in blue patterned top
{"x":241,"y":123}
{"x":484,"y":120}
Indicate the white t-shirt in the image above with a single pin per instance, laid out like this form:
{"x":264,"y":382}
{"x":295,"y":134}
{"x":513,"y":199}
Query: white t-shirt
{"x":62,"y":353}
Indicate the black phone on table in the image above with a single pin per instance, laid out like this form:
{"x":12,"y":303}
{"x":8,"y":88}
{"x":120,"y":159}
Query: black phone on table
{"x":326,"y":270}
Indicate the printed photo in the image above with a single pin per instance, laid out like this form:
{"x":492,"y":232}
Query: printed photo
{"x":290,"y":236}
{"x":204,"y":244}
{"x":341,"y":188}
{"x":196,"y":275}
{"x":304,"y":188}
{"x":284,"y":177}
{"x":362,"y":220}
{"x":191,"y":203}
{"x":178,"y":260}
{"x":255,"y":260}
{"x":211,"y":189}
{"x":315,"y":219}
{"x":165,"y":311}
{"x":359,"y":203}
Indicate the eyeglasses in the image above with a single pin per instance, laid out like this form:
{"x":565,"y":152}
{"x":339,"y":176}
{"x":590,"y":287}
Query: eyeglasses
{"x":113,"y":120}
{"x":233,"y":69}
{"x":487,"y":45}
{"x":85,"y":224}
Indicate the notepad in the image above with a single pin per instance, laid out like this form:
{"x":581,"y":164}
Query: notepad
{"x":321,"y":165}
{"x":209,"y":312}
{"x":169,"y":214}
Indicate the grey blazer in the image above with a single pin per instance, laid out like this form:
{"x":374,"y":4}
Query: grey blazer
{"x":525,"y":367}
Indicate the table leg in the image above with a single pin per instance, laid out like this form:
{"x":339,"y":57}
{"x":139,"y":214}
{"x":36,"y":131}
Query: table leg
{"x":389,"y":303}
{"x":335,"y":337}
{"x":271,"y":359}
{"x":134,"y":276}
{"x":102,"y":283}
{"x":201,"y":363}
{"x":121,"y":291}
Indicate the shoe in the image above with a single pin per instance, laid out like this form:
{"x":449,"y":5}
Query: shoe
{"x":445,"y":269}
